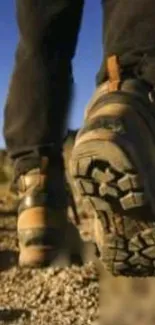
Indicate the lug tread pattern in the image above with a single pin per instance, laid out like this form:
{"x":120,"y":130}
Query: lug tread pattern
{"x":107,"y":191}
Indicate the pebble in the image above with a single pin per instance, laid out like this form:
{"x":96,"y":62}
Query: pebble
{"x":52,"y":296}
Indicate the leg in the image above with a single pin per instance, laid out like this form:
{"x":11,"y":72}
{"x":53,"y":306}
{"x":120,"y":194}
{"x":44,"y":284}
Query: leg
{"x":132,"y":40}
{"x":35,"y":115}
{"x":113,"y":159}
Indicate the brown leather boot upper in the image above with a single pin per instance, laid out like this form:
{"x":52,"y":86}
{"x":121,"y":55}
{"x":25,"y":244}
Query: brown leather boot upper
{"x":42,"y":216}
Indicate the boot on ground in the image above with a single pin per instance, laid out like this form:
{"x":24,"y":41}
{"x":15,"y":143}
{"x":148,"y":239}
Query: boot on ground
{"x":42,"y":217}
{"x":113,"y":165}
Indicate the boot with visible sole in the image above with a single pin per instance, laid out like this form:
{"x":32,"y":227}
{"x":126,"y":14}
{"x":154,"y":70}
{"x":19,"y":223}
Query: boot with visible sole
{"x":113,"y":165}
{"x":41,"y":225}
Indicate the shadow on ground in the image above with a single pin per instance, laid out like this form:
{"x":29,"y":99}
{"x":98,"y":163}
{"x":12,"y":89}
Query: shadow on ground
{"x":8,"y":259}
{"x":9,"y":213}
{"x":10,"y":315}
{"x":5,"y":228}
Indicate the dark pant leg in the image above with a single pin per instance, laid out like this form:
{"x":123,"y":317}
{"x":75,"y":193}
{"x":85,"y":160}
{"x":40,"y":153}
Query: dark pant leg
{"x":41,"y":83}
{"x":129,"y":32}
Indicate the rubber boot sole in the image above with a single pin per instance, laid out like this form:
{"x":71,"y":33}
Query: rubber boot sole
{"x":118,"y":187}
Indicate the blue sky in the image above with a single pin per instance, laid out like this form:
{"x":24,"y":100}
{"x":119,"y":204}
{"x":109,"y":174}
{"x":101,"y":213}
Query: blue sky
{"x":86,"y":62}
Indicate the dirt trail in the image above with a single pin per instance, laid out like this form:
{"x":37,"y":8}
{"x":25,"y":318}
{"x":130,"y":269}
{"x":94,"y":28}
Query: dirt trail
{"x":68,"y":296}
{"x":49,"y":296}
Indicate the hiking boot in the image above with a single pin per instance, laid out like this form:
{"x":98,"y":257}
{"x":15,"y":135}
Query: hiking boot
{"x":113,"y":165}
{"x":42,"y":216}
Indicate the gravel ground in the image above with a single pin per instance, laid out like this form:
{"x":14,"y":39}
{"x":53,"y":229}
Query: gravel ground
{"x":65,"y":296}
{"x":68,"y":296}
{"x":51,"y":296}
